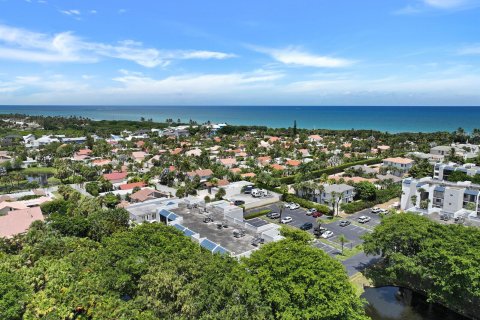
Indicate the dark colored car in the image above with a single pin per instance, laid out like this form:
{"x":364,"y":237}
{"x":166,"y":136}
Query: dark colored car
{"x":248,"y":189}
{"x":238,"y":202}
{"x":319,"y":230}
{"x":306,"y":226}
{"x":344,"y":223}
{"x":317,"y":214}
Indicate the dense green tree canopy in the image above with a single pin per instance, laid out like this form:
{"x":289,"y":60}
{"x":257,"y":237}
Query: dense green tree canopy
{"x":92,"y":265}
{"x":441,"y":261}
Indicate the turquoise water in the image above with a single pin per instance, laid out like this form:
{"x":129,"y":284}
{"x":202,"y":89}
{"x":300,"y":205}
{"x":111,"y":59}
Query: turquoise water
{"x":391,"y":119}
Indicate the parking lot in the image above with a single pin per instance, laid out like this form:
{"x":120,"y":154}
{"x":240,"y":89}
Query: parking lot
{"x":352,"y":232}
{"x":299,"y":215}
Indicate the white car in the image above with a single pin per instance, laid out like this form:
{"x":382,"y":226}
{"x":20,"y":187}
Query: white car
{"x":294,"y":206}
{"x":363,"y":219}
{"x":376,"y":210}
{"x":286,"y":220}
{"x":327,"y":234}
{"x":384,"y":211}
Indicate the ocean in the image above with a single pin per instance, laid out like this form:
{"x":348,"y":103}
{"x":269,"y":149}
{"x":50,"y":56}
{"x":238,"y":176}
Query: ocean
{"x":391,"y":119}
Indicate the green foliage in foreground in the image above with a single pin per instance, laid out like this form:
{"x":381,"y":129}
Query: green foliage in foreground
{"x":441,"y":261}
{"x":92,"y":266}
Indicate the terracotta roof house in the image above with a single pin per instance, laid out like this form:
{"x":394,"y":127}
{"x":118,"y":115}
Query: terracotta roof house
{"x":273,"y":139}
{"x":115,"y":177}
{"x":140,"y":144}
{"x":236,"y":170}
{"x":204,"y":174}
{"x":228,"y":162}
{"x":304,"y":152}
{"x":400,"y":165}
{"x":248,"y":175}
{"x":129,"y":186}
{"x":383,"y":148}
{"x":138,"y":155}
{"x":315,"y":138}
{"x":146,"y":194}
{"x":293,"y":163}
{"x":278,"y":167}
{"x":101,"y":162}
{"x":84,"y":152}
{"x":7,"y":206}
{"x":264,"y":160}
{"x":18,"y":221}
{"x":176,"y":151}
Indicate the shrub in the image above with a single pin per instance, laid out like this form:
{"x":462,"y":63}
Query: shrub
{"x":257,"y":214}
{"x":332,"y":170}
{"x":308,"y":204}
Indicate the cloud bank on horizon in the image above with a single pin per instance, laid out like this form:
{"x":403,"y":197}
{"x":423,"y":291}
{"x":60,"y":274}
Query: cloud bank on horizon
{"x":400,"y":52}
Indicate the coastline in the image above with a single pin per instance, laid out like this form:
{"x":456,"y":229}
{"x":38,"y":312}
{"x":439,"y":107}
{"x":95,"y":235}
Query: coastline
{"x":392,"y":119}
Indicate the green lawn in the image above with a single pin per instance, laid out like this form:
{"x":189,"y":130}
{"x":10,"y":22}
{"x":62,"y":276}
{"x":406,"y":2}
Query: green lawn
{"x":38,"y":170}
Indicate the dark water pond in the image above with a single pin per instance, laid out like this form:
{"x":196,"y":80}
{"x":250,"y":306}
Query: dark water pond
{"x":393,"y":303}
{"x":42,"y":178}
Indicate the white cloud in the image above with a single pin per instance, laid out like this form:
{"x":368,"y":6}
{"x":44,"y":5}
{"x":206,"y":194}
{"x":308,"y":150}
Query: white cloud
{"x":24,"y":45}
{"x":470,"y":50}
{"x":445,"y":4}
{"x":297,"y":57}
{"x":71,"y":12}
{"x":213,"y":84}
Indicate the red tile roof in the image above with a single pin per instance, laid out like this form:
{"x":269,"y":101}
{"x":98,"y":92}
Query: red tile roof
{"x":18,"y":221}
{"x":115,"y":175}
{"x":129,"y":186}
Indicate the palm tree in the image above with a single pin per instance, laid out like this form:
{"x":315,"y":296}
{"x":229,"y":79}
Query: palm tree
{"x":343,"y":240}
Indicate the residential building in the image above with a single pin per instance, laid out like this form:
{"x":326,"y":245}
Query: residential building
{"x":18,"y":221}
{"x":204,"y":174}
{"x":399,"y":166}
{"x":428,"y":196}
{"x":441,"y":171}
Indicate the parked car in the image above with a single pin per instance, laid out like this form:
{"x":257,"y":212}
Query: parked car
{"x":376,"y":210}
{"x":344,"y":223}
{"x":257,"y":241}
{"x":273,"y":215}
{"x":311,"y":211}
{"x":445,"y":217}
{"x":257,"y":193}
{"x":248,"y":189}
{"x":294,"y":206}
{"x":286,"y":220}
{"x":239,"y":202}
{"x":363,"y":219}
{"x":238,"y":233}
{"x":317,"y":214}
{"x":327,"y":234}
{"x":318,"y":231}
{"x":384,"y":211}
{"x":306,"y":226}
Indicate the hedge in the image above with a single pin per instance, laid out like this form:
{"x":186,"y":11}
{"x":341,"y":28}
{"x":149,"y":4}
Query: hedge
{"x":257,"y":214}
{"x":308,"y":204}
{"x":332,"y":170}
{"x":382,"y":196}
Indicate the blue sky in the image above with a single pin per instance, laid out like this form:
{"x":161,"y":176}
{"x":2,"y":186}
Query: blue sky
{"x":249,"y":52}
